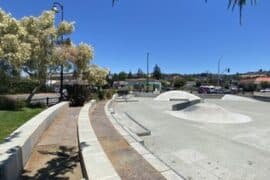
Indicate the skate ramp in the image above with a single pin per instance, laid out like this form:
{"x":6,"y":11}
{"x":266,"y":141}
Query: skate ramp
{"x":176,"y":95}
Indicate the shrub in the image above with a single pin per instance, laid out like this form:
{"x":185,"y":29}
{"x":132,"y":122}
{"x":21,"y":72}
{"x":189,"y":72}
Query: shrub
{"x":101,"y":94}
{"x":109,"y":93}
{"x":37,"y":105}
{"x":78,"y":94}
{"x":8,"y":103}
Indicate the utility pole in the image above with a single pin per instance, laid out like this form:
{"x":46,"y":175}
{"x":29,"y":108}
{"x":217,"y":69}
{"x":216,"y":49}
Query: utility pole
{"x":147,"y":78}
{"x":219,"y":61}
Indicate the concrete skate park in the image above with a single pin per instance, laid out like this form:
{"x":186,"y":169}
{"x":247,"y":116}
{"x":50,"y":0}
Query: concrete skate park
{"x":224,"y":138}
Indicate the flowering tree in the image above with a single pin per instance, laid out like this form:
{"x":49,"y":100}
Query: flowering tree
{"x":13,"y":49}
{"x":33,"y":45}
{"x":96,"y":76}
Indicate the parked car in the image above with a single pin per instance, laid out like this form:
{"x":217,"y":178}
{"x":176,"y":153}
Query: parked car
{"x":265,"y":90}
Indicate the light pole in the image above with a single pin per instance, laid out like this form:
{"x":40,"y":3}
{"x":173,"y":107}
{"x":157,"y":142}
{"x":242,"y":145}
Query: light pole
{"x":219,"y":61}
{"x":147,"y":78}
{"x":55,"y":9}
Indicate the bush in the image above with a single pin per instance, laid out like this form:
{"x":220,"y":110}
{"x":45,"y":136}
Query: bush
{"x":78,"y":94}
{"x":7,"y":103}
{"x":37,"y":105}
{"x":109,"y":93}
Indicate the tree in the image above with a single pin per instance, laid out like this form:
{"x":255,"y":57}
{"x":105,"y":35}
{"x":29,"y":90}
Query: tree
{"x":96,"y":76}
{"x":122,"y":76}
{"x":33,"y":45}
{"x":265,"y":85}
{"x":140,"y":73}
{"x":130,"y":76}
{"x":13,"y":49}
{"x":157,"y":72}
{"x":178,"y":82}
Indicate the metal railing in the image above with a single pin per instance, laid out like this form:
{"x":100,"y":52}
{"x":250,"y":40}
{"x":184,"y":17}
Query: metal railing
{"x":49,"y":101}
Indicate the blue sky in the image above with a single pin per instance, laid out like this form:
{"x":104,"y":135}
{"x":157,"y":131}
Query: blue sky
{"x":182,"y":36}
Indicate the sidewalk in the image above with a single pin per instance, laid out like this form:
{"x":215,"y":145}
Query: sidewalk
{"x":56,"y":155}
{"x":126,"y":161}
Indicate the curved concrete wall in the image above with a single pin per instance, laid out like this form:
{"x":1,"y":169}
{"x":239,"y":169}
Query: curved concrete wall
{"x":95,"y":162}
{"x":16,"y":149}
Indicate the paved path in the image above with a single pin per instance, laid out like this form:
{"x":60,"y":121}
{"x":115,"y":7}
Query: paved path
{"x":126,"y":161}
{"x":56,"y":154}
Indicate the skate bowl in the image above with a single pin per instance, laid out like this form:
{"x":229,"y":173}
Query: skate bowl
{"x":210,"y":113}
{"x":176,"y":96}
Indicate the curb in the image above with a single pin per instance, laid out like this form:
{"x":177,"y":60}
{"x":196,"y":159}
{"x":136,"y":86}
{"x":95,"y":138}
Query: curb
{"x":137,"y":143}
{"x":95,"y":162}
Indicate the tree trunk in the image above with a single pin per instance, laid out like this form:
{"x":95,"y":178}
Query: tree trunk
{"x":31,"y":95}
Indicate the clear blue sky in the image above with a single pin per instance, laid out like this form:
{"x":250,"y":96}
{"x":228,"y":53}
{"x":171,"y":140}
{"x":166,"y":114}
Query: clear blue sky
{"x":182,"y":36}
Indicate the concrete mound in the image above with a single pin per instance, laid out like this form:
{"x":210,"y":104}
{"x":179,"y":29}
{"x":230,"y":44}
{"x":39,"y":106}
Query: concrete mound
{"x":176,"y":95}
{"x":229,"y":97}
{"x":210,"y":113}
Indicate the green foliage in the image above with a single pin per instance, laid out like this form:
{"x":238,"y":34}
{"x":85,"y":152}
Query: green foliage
{"x":7,"y":103}
{"x":17,"y":85}
{"x":78,"y":94}
{"x":122,"y":76}
{"x":130,"y":76}
{"x":178,"y":83}
{"x":103,"y":94}
{"x":157,"y":72}
{"x":249,"y":87}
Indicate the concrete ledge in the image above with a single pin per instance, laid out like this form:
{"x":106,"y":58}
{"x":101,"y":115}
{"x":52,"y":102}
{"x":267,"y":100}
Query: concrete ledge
{"x":95,"y":162}
{"x":183,"y":105}
{"x":16,"y":149}
{"x":128,"y":134}
{"x":155,"y":162}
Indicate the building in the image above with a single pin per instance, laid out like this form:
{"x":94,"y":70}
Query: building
{"x":255,"y":80}
{"x":138,"y":85}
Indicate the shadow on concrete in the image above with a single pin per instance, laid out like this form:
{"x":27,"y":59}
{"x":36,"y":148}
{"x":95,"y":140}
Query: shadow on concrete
{"x":65,"y":160}
{"x":10,"y":138}
{"x":83,"y":145}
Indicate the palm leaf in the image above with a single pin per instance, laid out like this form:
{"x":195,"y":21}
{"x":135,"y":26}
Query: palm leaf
{"x":231,"y":5}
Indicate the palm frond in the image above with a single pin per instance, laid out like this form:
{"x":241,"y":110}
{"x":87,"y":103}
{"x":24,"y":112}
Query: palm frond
{"x":240,"y":4}
{"x":113,"y":2}
{"x":231,"y":5}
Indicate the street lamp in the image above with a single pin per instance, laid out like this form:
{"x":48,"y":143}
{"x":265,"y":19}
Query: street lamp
{"x":56,"y":10}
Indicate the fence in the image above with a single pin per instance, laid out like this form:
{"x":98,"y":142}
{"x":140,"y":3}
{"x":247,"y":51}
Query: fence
{"x":49,"y":101}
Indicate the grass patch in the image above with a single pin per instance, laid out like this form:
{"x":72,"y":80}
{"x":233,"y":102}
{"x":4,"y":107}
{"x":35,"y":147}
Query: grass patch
{"x":11,"y":120}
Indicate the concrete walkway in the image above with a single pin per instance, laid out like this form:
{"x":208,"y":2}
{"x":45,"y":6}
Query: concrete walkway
{"x":126,"y":161}
{"x":56,"y":156}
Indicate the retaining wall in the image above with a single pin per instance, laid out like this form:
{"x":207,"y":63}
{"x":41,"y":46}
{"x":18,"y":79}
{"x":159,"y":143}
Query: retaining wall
{"x":16,"y":149}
